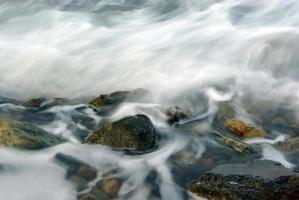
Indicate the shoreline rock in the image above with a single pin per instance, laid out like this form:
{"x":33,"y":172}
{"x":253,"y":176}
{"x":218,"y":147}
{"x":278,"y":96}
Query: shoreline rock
{"x":259,"y":179}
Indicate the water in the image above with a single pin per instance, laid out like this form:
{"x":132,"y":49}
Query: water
{"x":189,"y":53}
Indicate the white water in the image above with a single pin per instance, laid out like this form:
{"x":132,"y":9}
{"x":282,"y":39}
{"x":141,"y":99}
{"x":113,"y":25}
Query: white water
{"x":82,"y":48}
{"x":77,"y":48}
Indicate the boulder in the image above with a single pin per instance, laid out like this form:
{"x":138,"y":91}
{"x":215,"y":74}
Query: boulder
{"x":260,"y":179}
{"x":130,"y":133}
{"x":244,"y":129}
{"x":24,"y":135}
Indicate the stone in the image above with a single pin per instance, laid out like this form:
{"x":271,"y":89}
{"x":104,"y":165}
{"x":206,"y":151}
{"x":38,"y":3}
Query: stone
{"x":290,"y":144}
{"x":131,"y":133}
{"x":76,"y":167}
{"x":234,"y":143}
{"x":260,"y":179}
{"x":175,"y":114}
{"x":244,"y":129}
{"x":24,"y":135}
{"x":111,"y":101}
{"x":46,"y":102}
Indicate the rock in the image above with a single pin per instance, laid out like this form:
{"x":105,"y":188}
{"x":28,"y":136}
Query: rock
{"x":33,"y":103}
{"x":234,"y":143}
{"x":76,"y":167}
{"x":130,"y":133}
{"x":259,"y":179}
{"x":244,"y":129}
{"x":25,"y":135}
{"x":46,"y":102}
{"x":175,"y":114}
{"x":290,"y":144}
{"x":111,"y":101}
{"x":107,"y":188}
{"x":78,"y":172}
{"x":87,"y":197}
{"x":110,"y":187}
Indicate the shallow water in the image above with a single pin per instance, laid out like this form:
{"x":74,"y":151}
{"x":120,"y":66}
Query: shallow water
{"x":192,"y":54}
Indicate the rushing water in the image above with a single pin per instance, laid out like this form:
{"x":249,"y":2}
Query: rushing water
{"x":191,"y":53}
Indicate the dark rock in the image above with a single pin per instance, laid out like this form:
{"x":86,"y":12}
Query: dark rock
{"x":78,"y":172}
{"x":130,"y":133}
{"x":25,"y":135}
{"x":77,"y":167}
{"x":259,"y":179}
{"x":175,"y":114}
{"x":108,"y":102}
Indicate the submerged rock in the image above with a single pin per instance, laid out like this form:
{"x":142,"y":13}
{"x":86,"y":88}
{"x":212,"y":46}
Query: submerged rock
{"x":77,"y":171}
{"x":244,"y":129}
{"x":290,"y":144}
{"x":130,"y":133}
{"x":233,"y":143}
{"x":255,"y":180}
{"x":25,"y":135}
{"x":111,"y":101}
{"x":106,"y":188}
{"x":175,"y":114}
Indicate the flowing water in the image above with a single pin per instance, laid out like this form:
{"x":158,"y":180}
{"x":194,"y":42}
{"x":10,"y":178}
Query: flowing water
{"x":188,"y":53}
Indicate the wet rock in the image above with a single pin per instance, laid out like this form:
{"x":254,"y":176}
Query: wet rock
{"x":130,"y":133}
{"x":107,"y":188}
{"x":259,"y":179}
{"x":24,"y":135}
{"x":77,"y":167}
{"x":46,"y":102}
{"x":175,"y":114}
{"x":108,"y":102}
{"x":244,"y":129}
{"x":78,"y":172}
{"x":290,"y":144}
{"x":33,"y":103}
{"x":87,"y":197}
{"x":234,"y":143}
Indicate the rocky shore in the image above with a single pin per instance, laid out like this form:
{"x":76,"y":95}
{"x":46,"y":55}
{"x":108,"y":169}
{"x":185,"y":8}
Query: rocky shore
{"x":230,"y":168}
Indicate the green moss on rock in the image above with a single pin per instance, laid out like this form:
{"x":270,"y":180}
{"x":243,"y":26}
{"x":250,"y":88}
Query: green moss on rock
{"x":131,"y":133}
{"x":25,"y":135}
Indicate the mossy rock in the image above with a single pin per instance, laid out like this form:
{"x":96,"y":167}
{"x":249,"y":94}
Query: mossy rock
{"x":244,"y":129}
{"x":111,"y":101}
{"x":130,"y":133}
{"x":46,"y":102}
{"x":25,"y":135}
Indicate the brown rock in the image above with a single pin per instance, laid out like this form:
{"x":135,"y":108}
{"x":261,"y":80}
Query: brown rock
{"x":244,"y":129}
